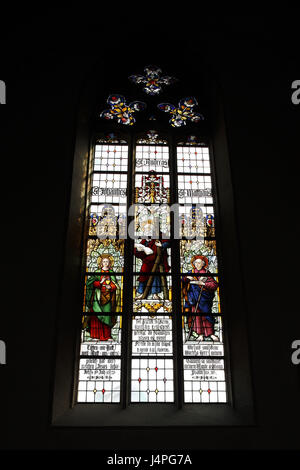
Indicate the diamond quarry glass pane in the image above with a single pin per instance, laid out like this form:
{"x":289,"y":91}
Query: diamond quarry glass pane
{"x":197,"y":253}
{"x":152,"y":336}
{"x":202,"y":335}
{"x":105,"y":253}
{"x":109,"y":188}
{"x":204,"y":381}
{"x":195,"y":189}
{"x":152,"y":294}
{"x":151,"y":256}
{"x":152,"y":158}
{"x":152,"y":220}
{"x":99,"y":380}
{"x":152,"y":380}
{"x":108,"y":220}
{"x":110,"y":158}
{"x":101,"y":335}
{"x":197,"y":221}
{"x":193,"y":160}
{"x":103,"y":293}
{"x":152,"y":188}
{"x":200,"y":294}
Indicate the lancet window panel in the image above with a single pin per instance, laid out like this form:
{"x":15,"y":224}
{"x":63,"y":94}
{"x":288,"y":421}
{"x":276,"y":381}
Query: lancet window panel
{"x":110,"y":158}
{"x":108,"y":220}
{"x":152,"y":335}
{"x":204,"y":380}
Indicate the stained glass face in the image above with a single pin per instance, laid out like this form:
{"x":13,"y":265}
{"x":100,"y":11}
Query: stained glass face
{"x":189,"y":250}
{"x":101,"y":335}
{"x":195,"y":189}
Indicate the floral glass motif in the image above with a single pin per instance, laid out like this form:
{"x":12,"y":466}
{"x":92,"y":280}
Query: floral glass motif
{"x":183,"y":113}
{"x":122,"y":111}
{"x":152,"y":80}
{"x":202,"y":319}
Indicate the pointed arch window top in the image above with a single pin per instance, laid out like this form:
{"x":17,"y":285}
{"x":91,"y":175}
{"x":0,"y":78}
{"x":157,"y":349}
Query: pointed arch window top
{"x":183,"y":112}
{"x":152,"y":80}
{"x":121,"y":111}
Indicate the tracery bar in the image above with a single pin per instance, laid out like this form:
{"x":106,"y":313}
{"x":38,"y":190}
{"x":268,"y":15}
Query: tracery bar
{"x":152,"y":322}
{"x":100,"y":350}
{"x":202,"y":317}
